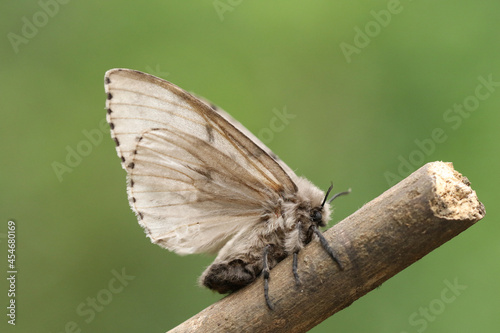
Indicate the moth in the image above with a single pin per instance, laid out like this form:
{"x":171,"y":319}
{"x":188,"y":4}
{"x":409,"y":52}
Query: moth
{"x":200,"y":182}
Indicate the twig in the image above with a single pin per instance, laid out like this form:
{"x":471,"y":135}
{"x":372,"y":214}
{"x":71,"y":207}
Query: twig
{"x":425,"y":210}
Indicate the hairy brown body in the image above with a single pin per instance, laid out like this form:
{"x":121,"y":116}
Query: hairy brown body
{"x":282,"y":235}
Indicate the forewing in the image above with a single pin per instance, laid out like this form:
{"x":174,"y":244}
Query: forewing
{"x":194,"y":179}
{"x":252,"y":137}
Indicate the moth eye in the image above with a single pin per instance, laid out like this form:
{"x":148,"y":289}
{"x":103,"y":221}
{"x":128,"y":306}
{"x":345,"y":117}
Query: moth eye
{"x":317,"y":216}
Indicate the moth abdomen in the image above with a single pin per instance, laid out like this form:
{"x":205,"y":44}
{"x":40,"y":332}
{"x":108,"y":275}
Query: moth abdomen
{"x":230,"y":276}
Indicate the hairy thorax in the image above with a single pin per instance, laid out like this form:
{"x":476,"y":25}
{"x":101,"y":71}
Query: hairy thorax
{"x":285,"y":227}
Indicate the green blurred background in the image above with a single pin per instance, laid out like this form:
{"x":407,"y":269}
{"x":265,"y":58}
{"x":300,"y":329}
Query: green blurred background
{"x":364,"y":87}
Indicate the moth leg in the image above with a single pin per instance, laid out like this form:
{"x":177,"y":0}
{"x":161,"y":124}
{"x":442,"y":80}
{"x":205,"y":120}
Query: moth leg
{"x":295,"y":273}
{"x":265,"y":273}
{"x":326,"y":246}
{"x":294,"y":267}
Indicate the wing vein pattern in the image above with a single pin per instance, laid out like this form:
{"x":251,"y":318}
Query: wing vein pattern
{"x":194,"y":178}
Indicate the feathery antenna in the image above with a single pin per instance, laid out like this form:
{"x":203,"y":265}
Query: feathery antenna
{"x":334,"y":196}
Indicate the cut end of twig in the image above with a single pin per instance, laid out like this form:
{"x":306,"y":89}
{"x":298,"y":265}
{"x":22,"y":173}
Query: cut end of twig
{"x":454,"y":198}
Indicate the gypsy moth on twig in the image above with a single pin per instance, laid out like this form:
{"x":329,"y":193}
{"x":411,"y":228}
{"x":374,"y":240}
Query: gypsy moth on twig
{"x":199,"y":181}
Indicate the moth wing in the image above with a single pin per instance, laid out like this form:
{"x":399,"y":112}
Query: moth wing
{"x":252,"y":137}
{"x":194,"y":179}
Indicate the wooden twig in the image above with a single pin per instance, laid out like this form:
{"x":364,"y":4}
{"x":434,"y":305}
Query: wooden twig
{"x":425,"y":210}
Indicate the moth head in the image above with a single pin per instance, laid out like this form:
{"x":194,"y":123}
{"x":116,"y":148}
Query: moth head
{"x":321,"y":214}
{"x":317,"y":216}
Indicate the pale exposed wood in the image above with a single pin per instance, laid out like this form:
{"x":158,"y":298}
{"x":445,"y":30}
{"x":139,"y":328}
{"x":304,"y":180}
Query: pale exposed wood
{"x":425,"y":210}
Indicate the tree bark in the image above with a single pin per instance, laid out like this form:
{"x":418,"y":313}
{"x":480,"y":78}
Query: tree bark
{"x":417,"y":215}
